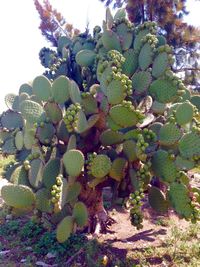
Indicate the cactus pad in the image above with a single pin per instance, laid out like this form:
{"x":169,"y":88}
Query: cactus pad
{"x":141,"y":81}
{"x":110,"y":40}
{"x":131,"y":62}
{"x":32,"y":111}
{"x":80,"y":214}
{"x":19,"y":140}
{"x":157,"y":200}
{"x":73,"y":161}
{"x":11,"y":120}
{"x":195,"y":100}
{"x":184,"y":164}
{"x":26,"y":88}
{"x":184,"y":113}
{"x":53,"y":112}
{"x":60,"y":89}
{"x":129,"y":149}
{"x":45,"y":133}
{"x":20,"y":176}
{"x":100,"y":166}
{"x":163,"y":90}
{"x":169,"y":134}
{"x":145,"y":56}
{"x":64,"y":229}
{"x":42,"y":88}
{"x":43,"y":200}
{"x":51,"y":171}
{"x":36,"y":173}
{"x":12,"y":101}
{"x":179,"y":198}
{"x":110,"y":137}
{"x":18,"y":196}
{"x":85,"y":58}
{"x":123,"y":116}
{"x":115,"y":92}
{"x":163,"y":166}
{"x":160,"y":64}
{"x":117,"y":171}
{"x":73,"y":190}
{"x":189,"y":145}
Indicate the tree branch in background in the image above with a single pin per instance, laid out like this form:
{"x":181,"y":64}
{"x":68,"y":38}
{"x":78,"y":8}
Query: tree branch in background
{"x":53,"y":24}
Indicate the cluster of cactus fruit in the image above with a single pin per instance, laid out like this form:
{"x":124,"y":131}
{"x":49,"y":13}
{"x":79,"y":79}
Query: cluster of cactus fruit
{"x":107,"y":111}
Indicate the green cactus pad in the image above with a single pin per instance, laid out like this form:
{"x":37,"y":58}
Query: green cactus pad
{"x":45,"y":133}
{"x":115,"y":92}
{"x":157,"y":200}
{"x":11,"y":120}
{"x":195,"y":100}
{"x":163,"y":166}
{"x":61,"y":132}
{"x":32,"y":111}
{"x":110,"y":137}
{"x":139,"y":37}
{"x":125,"y":36}
{"x":73,"y":191}
{"x":36,"y":173}
{"x":169,"y":134}
{"x":184,"y":113}
{"x":43,"y":200}
{"x":53,"y":112}
{"x":179,"y":198}
{"x":160,"y":64}
{"x":51,"y":171}
{"x":110,"y":40}
{"x":100,"y":166}
{"x":89,"y":105}
{"x":112,"y":125}
{"x":81,"y":124}
{"x":63,"y":42}
{"x":73,"y":161}
{"x":26,"y":88}
{"x":85,"y":58}
{"x":161,"y":40}
{"x":19,"y":140}
{"x":189,"y":145}
{"x":60,"y":89}
{"x":145,"y":57}
{"x":42,"y":88}
{"x":141,"y":81}
{"x":163,"y":90}
{"x":184,"y":164}
{"x":123,"y":116}
{"x":131,"y":62}
{"x":20,"y":176}
{"x":18,"y":196}
{"x":129,"y":149}
{"x":71,"y":143}
{"x":158,"y":108}
{"x":9,"y":146}
{"x":29,"y":136}
{"x":12,"y":101}
{"x":104,"y":78}
{"x":117,"y":171}
{"x":80,"y":214}
{"x":74,"y":92}
{"x":186,"y":95}
{"x":64,"y":229}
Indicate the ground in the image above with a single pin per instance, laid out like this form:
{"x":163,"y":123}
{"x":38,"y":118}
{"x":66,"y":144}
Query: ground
{"x":164,"y":241}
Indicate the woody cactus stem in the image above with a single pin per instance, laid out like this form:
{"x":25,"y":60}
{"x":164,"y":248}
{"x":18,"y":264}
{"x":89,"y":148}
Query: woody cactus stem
{"x":108,"y":112}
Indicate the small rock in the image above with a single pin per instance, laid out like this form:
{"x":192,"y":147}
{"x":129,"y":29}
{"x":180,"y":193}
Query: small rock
{"x":2,"y":253}
{"x":23,"y":260}
{"x":51,"y":255}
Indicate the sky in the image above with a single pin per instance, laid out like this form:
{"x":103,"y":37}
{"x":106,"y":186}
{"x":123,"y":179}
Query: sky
{"x":21,"y":40}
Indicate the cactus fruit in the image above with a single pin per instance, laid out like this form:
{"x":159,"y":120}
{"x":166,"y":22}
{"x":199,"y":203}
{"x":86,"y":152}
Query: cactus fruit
{"x":108,"y":111}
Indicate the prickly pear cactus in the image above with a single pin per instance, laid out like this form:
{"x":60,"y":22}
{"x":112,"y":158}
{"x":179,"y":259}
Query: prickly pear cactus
{"x":108,"y":110}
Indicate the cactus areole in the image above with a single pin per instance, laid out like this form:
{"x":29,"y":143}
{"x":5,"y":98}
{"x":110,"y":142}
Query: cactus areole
{"x":107,"y":112}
